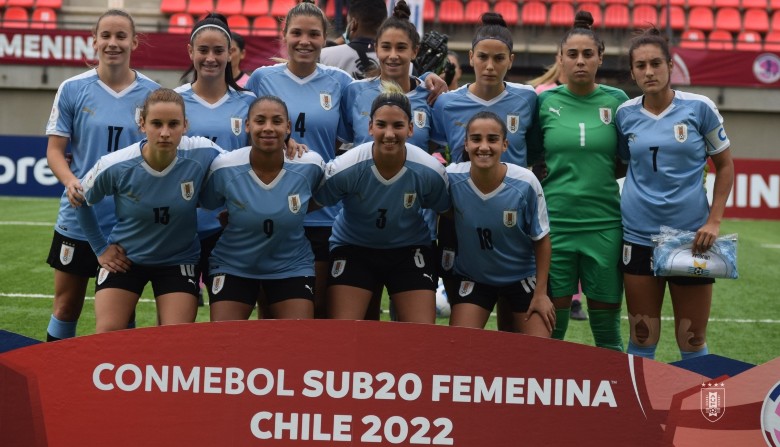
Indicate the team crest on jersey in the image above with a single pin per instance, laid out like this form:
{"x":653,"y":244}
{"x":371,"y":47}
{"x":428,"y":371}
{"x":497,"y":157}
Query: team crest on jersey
{"x":235,"y":125}
{"x":66,"y":253}
{"x":513,"y":123}
{"x":188,"y":190}
{"x":447,"y":259}
{"x":338,"y":267}
{"x":218,"y":284}
{"x":102,"y":275}
{"x":626,"y":254}
{"x":294,"y":202}
{"x":409,"y":199}
{"x":466,"y":287}
{"x":137,"y":116}
{"x":510,"y":218}
{"x":681,"y":132}
{"x":326,"y":101}
{"x":420,"y":118}
{"x":605,"y":113}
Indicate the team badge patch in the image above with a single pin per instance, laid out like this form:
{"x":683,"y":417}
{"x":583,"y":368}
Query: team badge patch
{"x":447,"y":259}
{"x":420,"y":118}
{"x":66,"y":253}
{"x":626,"y":254}
{"x":137,"y":116}
{"x":680,"y":132}
{"x":218,"y":284}
{"x":102,"y":275}
{"x":326,"y":101}
{"x":235,"y":125}
{"x":338,"y":267}
{"x":713,"y":401}
{"x":466,"y":287}
{"x":605,"y":113}
{"x":409,"y":199}
{"x":294,"y":202}
{"x":510,"y":218}
{"x":187,"y":190}
{"x":513,"y":123}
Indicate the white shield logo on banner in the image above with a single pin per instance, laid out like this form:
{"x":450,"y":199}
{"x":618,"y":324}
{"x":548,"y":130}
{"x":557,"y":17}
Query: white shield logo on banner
{"x":680,"y":132}
{"x":466,"y":287}
{"x":447,"y":259}
{"x":294,"y":202}
{"x":713,"y":401}
{"x":510,"y":218}
{"x":605,"y":113}
{"x":66,"y":253}
{"x":338,"y":267}
{"x":219,"y":282}
{"x":513,"y":123}
{"x":409,"y":199}
{"x":420,"y":118}
{"x":626,"y":254}
{"x":326,"y":101}
{"x":235,"y":125}
{"x":188,"y":190}
{"x":102,"y":275}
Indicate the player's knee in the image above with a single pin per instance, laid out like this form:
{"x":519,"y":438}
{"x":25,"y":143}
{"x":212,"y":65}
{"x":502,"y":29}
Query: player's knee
{"x":645,"y":330}
{"x":688,"y":338}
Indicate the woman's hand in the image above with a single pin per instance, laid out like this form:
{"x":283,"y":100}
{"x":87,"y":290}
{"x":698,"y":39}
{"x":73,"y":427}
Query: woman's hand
{"x":114,"y":259}
{"x":542,"y":305}
{"x":436,"y":86}
{"x":75,"y":193}
{"x":294,"y":149}
{"x":705,"y":237}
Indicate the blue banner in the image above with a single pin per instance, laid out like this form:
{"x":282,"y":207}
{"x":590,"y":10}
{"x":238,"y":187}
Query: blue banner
{"x":24,"y":170}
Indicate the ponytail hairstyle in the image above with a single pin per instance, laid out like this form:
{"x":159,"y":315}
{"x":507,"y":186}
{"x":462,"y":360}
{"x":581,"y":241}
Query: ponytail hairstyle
{"x":392,"y":95}
{"x":493,"y":27}
{"x":583,"y":25}
{"x":309,"y":9}
{"x":218,"y":22}
{"x":649,"y":36}
{"x":400,"y":20}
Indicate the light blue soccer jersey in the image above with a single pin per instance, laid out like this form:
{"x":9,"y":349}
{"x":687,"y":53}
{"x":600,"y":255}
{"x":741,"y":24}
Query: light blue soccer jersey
{"x":155,"y":210}
{"x":381,"y":213}
{"x":98,"y":121}
{"x":223,"y":123}
{"x":264,"y":238}
{"x":516,"y":105}
{"x":666,"y":155}
{"x":356,"y":108}
{"x":496,"y":231}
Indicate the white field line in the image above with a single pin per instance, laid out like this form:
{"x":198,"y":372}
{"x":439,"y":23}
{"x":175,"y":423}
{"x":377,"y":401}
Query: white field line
{"x":147,"y":300}
{"x":770,"y":245}
{"x":27,"y":224}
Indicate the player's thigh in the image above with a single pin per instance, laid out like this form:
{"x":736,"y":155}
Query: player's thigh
{"x":564,"y":266}
{"x":600,"y":274}
{"x":290,"y":298}
{"x":232,"y":297}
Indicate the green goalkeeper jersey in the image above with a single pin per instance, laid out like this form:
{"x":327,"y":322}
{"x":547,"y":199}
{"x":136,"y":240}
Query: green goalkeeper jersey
{"x":578,"y":138}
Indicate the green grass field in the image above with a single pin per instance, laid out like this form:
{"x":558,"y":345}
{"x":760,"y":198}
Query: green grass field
{"x":745,"y":319}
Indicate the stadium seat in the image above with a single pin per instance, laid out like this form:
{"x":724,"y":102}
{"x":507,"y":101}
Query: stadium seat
{"x":20,"y":3}
{"x":43,"y":18}
{"x":180,"y":23}
{"x":747,"y":4}
{"x":228,"y":7}
{"x":727,"y":3}
{"x":615,"y":2}
{"x":508,"y":10}
{"x":677,"y":20}
{"x":720,"y":40}
{"x":429,"y":12}
{"x":756,"y":19}
{"x":748,"y":41}
{"x":238,"y":23}
{"x":561,"y":14}
{"x":53,"y":4}
{"x":647,"y":2}
{"x":700,"y":18}
{"x":534,"y":13}
{"x":775,"y":24}
{"x":474,"y":10}
{"x":16,"y":17}
{"x":280,"y":8}
{"x":330,"y":9}
{"x":198,"y":8}
{"x":582,"y":2}
{"x":616,"y":16}
{"x":728,"y":19}
{"x":265,"y":26}
{"x":774,"y":5}
{"x":173,"y":6}
{"x":772,"y":42}
{"x":693,"y":39}
{"x":705,"y":3}
{"x":451,"y":11}
{"x":645,"y":15}
{"x":254,"y":8}
{"x":595,"y":10}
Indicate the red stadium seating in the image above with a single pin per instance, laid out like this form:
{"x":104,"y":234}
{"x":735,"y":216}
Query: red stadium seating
{"x":280,"y":8}
{"x":173,"y":6}
{"x":265,"y":26}
{"x":53,"y":4}
{"x":20,"y":3}
{"x":644,"y":16}
{"x":720,"y":40}
{"x":615,"y":2}
{"x":582,"y":2}
{"x":229,"y":7}
{"x":254,"y":8}
{"x":693,"y":39}
{"x":561,"y":14}
{"x":775,"y":21}
{"x":774,"y":5}
{"x":238,"y":23}
{"x":180,"y":23}
{"x":747,"y":4}
{"x":616,"y":16}
{"x":199,"y":8}
{"x":756,"y":20}
{"x":705,"y":3}
{"x":677,"y":20}
{"x":748,"y":41}
{"x":772,"y":42}
{"x":451,"y":11}
{"x":727,"y":3}
{"x":534,"y":13}
{"x":508,"y":10}
{"x":728,"y":19}
{"x":701,"y":18}
{"x":595,"y":10}
{"x":16,"y":17}
{"x":474,"y":10}
{"x":647,"y":2}
{"x":429,"y":11}
{"x":43,"y":18}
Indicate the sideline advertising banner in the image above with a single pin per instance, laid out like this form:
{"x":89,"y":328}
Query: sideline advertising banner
{"x":359,"y":383}
{"x":744,"y":68}
{"x":24,"y":170}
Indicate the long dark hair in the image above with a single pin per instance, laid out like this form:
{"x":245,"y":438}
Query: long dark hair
{"x":212,"y":20}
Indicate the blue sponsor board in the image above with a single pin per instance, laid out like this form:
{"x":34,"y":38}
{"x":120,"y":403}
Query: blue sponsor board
{"x":24,"y":170}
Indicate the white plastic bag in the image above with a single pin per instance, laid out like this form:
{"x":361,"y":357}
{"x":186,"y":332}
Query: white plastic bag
{"x":672,"y":255}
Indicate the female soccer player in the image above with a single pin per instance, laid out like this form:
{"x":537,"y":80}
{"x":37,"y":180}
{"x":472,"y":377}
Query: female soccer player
{"x":502,"y":227}
{"x":264,"y":246}
{"x":97,"y":112}
{"x":577,"y":126}
{"x":155,"y":184}
{"x":237,"y":54}
{"x":666,"y":137}
{"x":380,"y":236}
